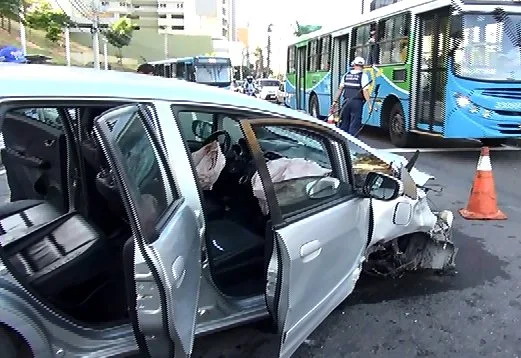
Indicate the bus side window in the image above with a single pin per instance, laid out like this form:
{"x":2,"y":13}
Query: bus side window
{"x":365,"y":43}
{"x":191,"y":72}
{"x":394,"y":39}
{"x":180,"y":71}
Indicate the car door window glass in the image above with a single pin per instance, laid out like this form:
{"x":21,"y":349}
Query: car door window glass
{"x":48,"y":116}
{"x":364,"y":162}
{"x":300,"y":167}
{"x":227,"y":124}
{"x":232,"y":127}
{"x":186,"y":120}
{"x":144,"y":171}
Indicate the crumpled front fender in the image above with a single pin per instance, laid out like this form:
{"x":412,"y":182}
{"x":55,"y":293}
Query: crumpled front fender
{"x":408,"y":236}
{"x":391,"y":219}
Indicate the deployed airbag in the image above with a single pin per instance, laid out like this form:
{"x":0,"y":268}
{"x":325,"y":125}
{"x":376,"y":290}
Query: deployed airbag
{"x":209,"y":162}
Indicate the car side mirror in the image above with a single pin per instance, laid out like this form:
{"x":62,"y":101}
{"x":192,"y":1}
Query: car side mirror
{"x":322,"y":187}
{"x":201,"y":129}
{"x":382,"y":186}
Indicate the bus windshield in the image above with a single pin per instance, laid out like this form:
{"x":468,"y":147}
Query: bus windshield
{"x":489,"y":49}
{"x":213,"y":73}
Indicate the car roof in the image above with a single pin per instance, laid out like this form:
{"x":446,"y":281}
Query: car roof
{"x":62,"y":81}
{"x":47,"y":81}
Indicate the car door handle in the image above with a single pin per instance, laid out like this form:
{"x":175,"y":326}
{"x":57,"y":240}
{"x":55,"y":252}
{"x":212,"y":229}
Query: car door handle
{"x":178,"y":270}
{"x":310,"y":250}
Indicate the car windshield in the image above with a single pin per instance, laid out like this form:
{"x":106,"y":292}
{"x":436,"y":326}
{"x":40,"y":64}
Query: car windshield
{"x":212,"y":73}
{"x":490,"y":48}
{"x":269,"y":83}
{"x":288,"y":142}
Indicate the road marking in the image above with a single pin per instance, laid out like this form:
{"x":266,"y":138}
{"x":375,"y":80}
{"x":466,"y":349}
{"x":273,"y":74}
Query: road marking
{"x":2,"y":171}
{"x":445,"y":150}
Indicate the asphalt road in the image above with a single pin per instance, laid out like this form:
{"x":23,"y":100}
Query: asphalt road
{"x":474,"y":313}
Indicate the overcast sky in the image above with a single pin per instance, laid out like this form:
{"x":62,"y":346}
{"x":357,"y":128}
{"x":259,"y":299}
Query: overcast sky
{"x":283,"y":14}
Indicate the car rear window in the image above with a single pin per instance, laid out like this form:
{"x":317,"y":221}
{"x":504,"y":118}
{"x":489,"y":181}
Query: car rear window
{"x":272,"y":83}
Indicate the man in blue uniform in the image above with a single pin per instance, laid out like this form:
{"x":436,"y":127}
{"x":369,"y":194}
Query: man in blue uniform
{"x":356,"y":93}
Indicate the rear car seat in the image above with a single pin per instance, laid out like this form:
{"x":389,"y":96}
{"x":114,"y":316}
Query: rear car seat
{"x":51,"y":250}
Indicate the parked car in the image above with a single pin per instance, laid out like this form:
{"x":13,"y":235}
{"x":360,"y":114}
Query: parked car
{"x":281,"y":94}
{"x":146,"y":211}
{"x":267,"y":88}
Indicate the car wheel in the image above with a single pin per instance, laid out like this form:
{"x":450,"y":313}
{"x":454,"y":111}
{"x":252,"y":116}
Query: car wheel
{"x":313,"y":106}
{"x":492,"y":142}
{"x":397,"y":130}
{"x":8,"y":344}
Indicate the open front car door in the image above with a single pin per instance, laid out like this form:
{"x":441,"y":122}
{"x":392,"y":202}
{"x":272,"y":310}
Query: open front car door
{"x":320,"y":226}
{"x":165,"y":274}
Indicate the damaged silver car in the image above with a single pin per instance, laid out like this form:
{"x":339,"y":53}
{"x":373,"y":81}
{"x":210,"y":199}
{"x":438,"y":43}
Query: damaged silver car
{"x":146,"y":211}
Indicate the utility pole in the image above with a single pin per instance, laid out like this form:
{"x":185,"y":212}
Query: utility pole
{"x":165,"y":45}
{"x":23,"y":39}
{"x":68,"y":45}
{"x":106,"y":53}
{"x":95,"y":34}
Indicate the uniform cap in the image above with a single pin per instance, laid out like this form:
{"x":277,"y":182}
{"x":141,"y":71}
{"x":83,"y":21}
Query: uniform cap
{"x":358,"y":61}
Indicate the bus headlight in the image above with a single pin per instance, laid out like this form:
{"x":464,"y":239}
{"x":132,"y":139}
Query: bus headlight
{"x":461,"y":100}
{"x":486,"y":113}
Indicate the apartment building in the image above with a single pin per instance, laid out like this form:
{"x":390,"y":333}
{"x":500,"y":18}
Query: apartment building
{"x":215,"y":18}
{"x":192,"y":26}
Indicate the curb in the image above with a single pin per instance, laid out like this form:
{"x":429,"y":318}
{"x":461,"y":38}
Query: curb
{"x":514,"y":142}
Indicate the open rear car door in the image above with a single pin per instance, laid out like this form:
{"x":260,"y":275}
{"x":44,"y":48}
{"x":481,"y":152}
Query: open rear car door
{"x":166,"y":254}
{"x":317,"y":251}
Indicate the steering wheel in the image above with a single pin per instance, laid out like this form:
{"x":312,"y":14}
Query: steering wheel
{"x":227,"y":144}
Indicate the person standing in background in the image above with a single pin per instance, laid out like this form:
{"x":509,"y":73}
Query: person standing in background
{"x":355,"y":91}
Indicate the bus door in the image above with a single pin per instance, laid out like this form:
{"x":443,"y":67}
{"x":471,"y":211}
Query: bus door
{"x":300,"y":85}
{"x":180,"y":70}
{"x":168,"y":70}
{"x":433,"y":39}
{"x":340,"y":61}
{"x":190,"y":72}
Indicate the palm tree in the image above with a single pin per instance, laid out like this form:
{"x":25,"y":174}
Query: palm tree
{"x":305,"y":29}
{"x":259,"y":62}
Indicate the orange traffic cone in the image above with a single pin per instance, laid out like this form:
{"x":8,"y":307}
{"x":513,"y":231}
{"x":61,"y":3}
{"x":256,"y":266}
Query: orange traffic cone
{"x":482,"y":203}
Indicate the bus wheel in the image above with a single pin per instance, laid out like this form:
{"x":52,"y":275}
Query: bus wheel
{"x":313,"y":106}
{"x":397,"y":131}
{"x":492,"y":142}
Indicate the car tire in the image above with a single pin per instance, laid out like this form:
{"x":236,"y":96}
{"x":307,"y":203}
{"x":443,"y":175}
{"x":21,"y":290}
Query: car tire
{"x":397,"y":130}
{"x":313,"y":106}
{"x":493,"y":142}
{"x":8,"y":344}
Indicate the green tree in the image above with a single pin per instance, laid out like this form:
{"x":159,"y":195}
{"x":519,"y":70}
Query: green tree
{"x":119,"y":35}
{"x":259,"y":61}
{"x":305,"y":29}
{"x":42,"y":16}
{"x":10,"y":10}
